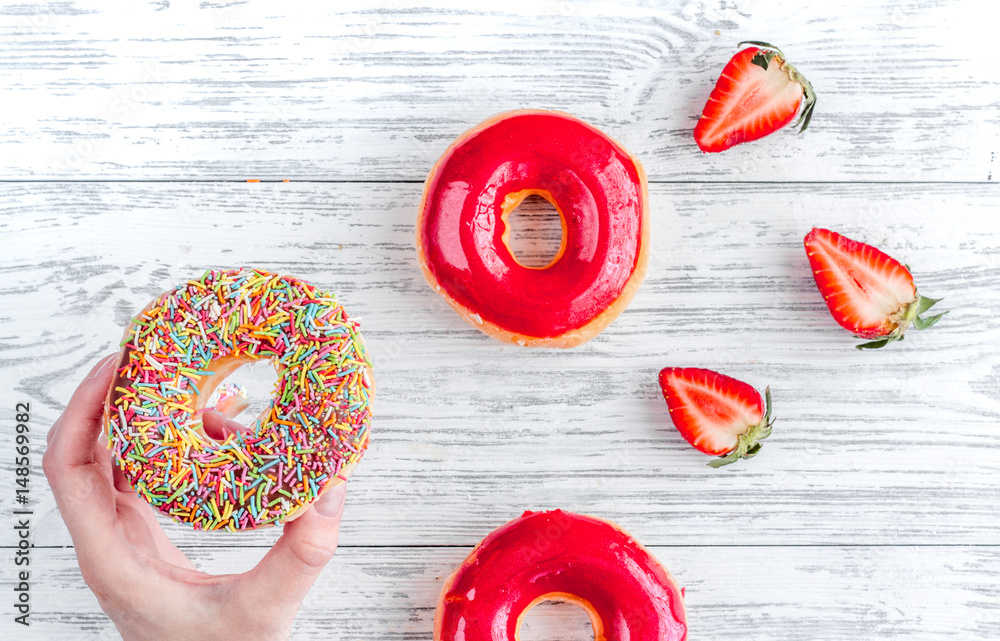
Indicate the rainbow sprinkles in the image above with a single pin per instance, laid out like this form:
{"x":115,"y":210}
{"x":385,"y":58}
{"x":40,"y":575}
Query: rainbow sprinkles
{"x":178,"y":349}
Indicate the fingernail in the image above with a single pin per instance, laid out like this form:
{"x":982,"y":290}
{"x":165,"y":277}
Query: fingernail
{"x":235,"y":427}
{"x":101,"y":367}
{"x":331,"y":503}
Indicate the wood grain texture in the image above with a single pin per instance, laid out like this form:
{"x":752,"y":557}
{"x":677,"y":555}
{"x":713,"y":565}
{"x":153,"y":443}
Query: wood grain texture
{"x":825,"y":593}
{"x":179,"y":90}
{"x":890,"y":447}
{"x":871,"y":511}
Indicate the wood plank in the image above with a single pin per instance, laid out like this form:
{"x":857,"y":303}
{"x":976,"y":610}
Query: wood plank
{"x":897,"y":446}
{"x":907,"y":91}
{"x":772,"y":593}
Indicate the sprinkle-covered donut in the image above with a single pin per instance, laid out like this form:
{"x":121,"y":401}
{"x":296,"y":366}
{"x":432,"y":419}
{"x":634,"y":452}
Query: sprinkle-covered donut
{"x":560,"y":556}
{"x":184,"y":344}
{"x":597,"y":187}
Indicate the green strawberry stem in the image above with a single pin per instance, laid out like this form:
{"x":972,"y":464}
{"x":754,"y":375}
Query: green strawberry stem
{"x":748,"y":443}
{"x":758,"y":43}
{"x":907,"y":315}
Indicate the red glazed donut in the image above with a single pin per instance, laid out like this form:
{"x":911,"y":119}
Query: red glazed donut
{"x":560,"y":556}
{"x":597,"y":187}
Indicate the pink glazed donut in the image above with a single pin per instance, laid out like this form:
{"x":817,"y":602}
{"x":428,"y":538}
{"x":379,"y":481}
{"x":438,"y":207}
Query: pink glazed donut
{"x":597,"y":187}
{"x":560,"y":556}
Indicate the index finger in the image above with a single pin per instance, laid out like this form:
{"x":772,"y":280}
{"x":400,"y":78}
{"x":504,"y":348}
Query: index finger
{"x":77,"y":472}
{"x":85,"y":409}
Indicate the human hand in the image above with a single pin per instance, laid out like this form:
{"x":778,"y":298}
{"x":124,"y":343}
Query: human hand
{"x":147,"y":586}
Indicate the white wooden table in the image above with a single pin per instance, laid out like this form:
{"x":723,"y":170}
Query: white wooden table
{"x":128,"y":137}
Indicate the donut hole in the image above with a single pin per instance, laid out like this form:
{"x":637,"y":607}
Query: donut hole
{"x":556,"y":621}
{"x":257,"y":377}
{"x":535,"y":232}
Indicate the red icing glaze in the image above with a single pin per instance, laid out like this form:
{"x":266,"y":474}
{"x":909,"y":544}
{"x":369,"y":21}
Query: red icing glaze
{"x":565,"y":556}
{"x":598,"y":189}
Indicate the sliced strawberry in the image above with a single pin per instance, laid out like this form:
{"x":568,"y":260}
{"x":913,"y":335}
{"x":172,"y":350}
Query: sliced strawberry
{"x":717,"y":414}
{"x":757,"y":94}
{"x":867,"y":291}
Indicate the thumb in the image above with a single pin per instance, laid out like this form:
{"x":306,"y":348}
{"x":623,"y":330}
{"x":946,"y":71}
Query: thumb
{"x":307,"y":544}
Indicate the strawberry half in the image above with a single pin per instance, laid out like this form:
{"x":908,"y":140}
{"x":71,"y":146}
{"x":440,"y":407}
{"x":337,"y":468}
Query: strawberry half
{"x":757,"y":94}
{"x":867,"y":291}
{"x":715,"y":413}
